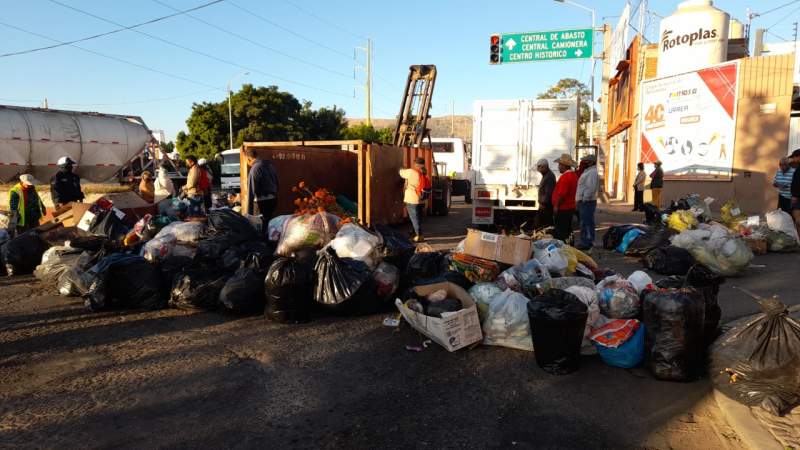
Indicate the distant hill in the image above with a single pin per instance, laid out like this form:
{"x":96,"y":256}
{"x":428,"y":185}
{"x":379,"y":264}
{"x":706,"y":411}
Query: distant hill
{"x":440,"y":126}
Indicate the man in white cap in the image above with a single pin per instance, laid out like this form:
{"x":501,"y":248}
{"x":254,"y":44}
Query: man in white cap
{"x":25,"y":205}
{"x":544,"y":217}
{"x":65,"y":186}
{"x":586,"y":200}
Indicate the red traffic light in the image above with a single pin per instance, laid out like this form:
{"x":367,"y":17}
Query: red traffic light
{"x":495,"y":39}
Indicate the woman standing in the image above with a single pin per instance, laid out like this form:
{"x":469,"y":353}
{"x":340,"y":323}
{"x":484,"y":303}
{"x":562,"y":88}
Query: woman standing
{"x":638,"y":188}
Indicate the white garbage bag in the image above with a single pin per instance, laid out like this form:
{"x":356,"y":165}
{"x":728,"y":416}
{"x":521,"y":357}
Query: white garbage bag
{"x":640,"y":281}
{"x":275,"y":227}
{"x":589,"y":298}
{"x":184,"y":232}
{"x":618,"y":298}
{"x":781,"y":221}
{"x":553,"y":257}
{"x":308,"y":230}
{"x":159,"y":247}
{"x":506,"y":323}
{"x":353,"y":241}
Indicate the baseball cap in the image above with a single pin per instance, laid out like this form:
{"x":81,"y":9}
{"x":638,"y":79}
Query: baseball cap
{"x":590,"y":157}
{"x":542,"y":162}
{"x":202,"y":161}
{"x":795,"y":153}
{"x":420,"y":161}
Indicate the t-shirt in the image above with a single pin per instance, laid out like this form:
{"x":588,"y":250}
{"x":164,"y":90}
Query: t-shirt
{"x":412,"y":184}
{"x":784,"y":181}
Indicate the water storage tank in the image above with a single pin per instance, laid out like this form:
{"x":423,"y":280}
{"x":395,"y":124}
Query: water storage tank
{"x":735,"y":29}
{"x":32,"y":140}
{"x":693,"y":37}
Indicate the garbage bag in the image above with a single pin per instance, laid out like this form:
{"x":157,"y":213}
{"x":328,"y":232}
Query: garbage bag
{"x":523,"y":277}
{"x":289,"y":288}
{"x":483,"y":294}
{"x":169,"y":268}
{"x":682,"y":220}
{"x":669,"y":260}
{"x":614,"y":235}
{"x":159,"y":247}
{"x":197,"y":288}
{"x":477,"y":270}
{"x":57,"y":260}
{"x":22,"y":254}
{"x":354,"y":241}
{"x":215,"y":246}
{"x":228,"y":221}
{"x":781,"y":221}
{"x":620,"y":343}
{"x":654,"y":238}
{"x":757,"y":361}
{"x":507,"y":323}
{"x":122,"y":282}
{"x":397,"y":248}
{"x":425,"y":266}
{"x":387,"y":280}
{"x":345,"y":285}
{"x":778,"y":241}
{"x":584,"y":272}
{"x":449,"y":276}
{"x":107,"y":223}
{"x":707,"y":284}
{"x":565,"y":282}
{"x":233,"y":257}
{"x":184,"y":232}
{"x":594,"y":318}
{"x":275,"y":227}
{"x":552,"y":257}
{"x":652,"y":215}
{"x":640,"y":281}
{"x":731,"y":214}
{"x":557,"y":320}
{"x":309,"y":230}
{"x":727,"y":257}
{"x":673,"y":321}
{"x":581,"y":257}
{"x":618,"y":298}
{"x":91,"y":244}
{"x":629,"y":237}
{"x":244,"y":290}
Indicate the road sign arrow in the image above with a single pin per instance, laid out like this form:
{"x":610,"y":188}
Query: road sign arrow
{"x":578,"y":53}
{"x":511,"y":43}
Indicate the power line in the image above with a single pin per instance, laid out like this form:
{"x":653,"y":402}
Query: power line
{"x":87,"y":38}
{"x":779,"y":37}
{"x":326,"y":21}
{"x":286,"y":29}
{"x":207,"y":55}
{"x":778,"y":7}
{"x":114,"y":58}
{"x":783,"y":18}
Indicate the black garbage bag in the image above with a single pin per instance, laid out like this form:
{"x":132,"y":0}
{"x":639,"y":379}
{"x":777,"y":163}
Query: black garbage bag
{"x":652,"y":215}
{"x":22,"y":254}
{"x":669,"y":260}
{"x":757,"y":361}
{"x":425,"y":266}
{"x":244,"y":291}
{"x":92,"y":244}
{"x":106,"y":223}
{"x":289,"y":289}
{"x":614,"y":235}
{"x":345,"y":285}
{"x":169,"y":268}
{"x":652,"y":238}
{"x":197,"y":289}
{"x":228,"y":221}
{"x":397,"y":249}
{"x":124,"y":282}
{"x":306,"y":255}
{"x":233,"y":257}
{"x":673,"y":322}
{"x":58,"y":235}
{"x":451,"y":276}
{"x":558,"y":321}
{"x":707,"y":283}
{"x":215,"y":246}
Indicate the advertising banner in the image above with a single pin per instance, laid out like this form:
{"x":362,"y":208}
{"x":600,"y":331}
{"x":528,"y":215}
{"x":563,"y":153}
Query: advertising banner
{"x":689,"y":123}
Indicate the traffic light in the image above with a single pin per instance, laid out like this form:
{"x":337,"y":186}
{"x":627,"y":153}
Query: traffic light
{"x":494,"y":49}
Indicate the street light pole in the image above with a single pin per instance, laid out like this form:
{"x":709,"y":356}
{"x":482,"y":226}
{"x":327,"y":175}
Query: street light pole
{"x":594,"y":63}
{"x":230,"y":109}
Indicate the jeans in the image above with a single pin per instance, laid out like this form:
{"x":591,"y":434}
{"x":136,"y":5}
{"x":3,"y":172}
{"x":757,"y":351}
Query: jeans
{"x":563,"y":224}
{"x":415,"y":215}
{"x":785,"y":204}
{"x":638,"y":200}
{"x":586,"y":211}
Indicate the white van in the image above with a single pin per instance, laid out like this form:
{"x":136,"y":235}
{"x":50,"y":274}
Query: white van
{"x":229,"y":168}
{"x":451,"y":153}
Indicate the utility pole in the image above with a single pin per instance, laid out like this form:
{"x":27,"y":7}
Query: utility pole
{"x":368,"y":83}
{"x":794,"y":38}
{"x":452,"y":117}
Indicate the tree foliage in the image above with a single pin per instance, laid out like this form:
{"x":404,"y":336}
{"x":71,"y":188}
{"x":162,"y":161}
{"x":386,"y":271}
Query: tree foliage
{"x":569,"y":88}
{"x":259,"y":114}
{"x":167,"y":147}
{"x":368,"y":133}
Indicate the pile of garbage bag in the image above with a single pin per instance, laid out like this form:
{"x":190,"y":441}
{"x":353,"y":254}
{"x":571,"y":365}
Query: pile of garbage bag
{"x":716,"y":248}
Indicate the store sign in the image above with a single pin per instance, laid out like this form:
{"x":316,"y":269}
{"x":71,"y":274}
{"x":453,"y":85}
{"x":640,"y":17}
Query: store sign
{"x":689,"y":123}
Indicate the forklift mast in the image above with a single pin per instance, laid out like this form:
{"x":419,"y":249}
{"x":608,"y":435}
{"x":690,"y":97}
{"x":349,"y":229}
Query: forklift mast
{"x":412,"y":122}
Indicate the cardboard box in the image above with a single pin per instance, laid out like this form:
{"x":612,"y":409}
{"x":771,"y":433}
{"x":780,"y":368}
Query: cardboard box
{"x":505,"y":249}
{"x":454,"y":330}
{"x":70,"y":214}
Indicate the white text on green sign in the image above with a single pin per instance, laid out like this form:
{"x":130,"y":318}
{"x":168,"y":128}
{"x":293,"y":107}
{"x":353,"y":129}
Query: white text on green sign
{"x":546,"y":45}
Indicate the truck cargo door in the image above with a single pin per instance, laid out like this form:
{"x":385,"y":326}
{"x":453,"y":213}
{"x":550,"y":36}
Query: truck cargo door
{"x":554,"y":130}
{"x":496,"y":142}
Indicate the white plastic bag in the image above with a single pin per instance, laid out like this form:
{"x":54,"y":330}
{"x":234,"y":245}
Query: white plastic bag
{"x":589,"y":298}
{"x":780,"y":221}
{"x":640,"y":281}
{"x":484,"y":294}
{"x":311,"y":230}
{"x":553,"y":257}
{"x":618,"y":298}
{"x":387,"y":278}
{"x":506,"y":323}
{"x":159,"y":247}
{"x":353,"y":241}
{"x":275,"y":227}
{"x":184,"y":232}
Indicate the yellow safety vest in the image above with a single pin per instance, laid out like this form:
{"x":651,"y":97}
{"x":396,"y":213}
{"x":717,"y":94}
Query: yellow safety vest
{"x":17,"y":189}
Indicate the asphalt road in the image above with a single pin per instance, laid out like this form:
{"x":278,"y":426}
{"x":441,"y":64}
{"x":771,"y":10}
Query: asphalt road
{"x":164,"y":379}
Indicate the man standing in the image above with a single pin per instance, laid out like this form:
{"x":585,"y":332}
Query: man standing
{"x":795,"y":189}
{"x":262,"y":186}
{"x":564,"y":198}
{"x":783,"y":182}
{"x":65,"y":186}
{"x":209,"y":179}
{"x":417,"y":191}
{"x":586,"y":199}
{"x":657,"y":183}
{"x":638,"y":188}
{"x":25,"y":205}
{"x":192,"y":188}
{"x":544,"y":218}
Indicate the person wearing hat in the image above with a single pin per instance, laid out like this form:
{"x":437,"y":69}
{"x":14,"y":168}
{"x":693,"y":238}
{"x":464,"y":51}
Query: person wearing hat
{"x":25,"y":205}
{"x":564,"y":197}
{"x":586,"y":200}
{"x":656,"y":184}
{"x":209,"y":179}
{"x":544,"y":217}
{"x":416,"y":194}
{"x":147,"y":188}
{"x":65,"y":186}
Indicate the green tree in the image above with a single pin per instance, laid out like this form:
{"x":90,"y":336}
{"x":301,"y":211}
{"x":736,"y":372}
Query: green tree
{"x":569,"y":88}
{"x":259,"y":114}
{"x":167,"y":147}
{"x":368,"y":133}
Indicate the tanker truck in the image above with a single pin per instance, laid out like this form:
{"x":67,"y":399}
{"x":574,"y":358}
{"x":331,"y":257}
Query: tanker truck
{"x":32,"y":140}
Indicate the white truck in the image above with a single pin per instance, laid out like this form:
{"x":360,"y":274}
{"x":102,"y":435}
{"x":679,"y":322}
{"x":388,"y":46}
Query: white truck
{"x":450,"y":153}
{"x":229,"y":166}
{"x":509,"y":137}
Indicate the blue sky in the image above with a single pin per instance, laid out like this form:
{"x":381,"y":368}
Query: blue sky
{"x":449,"y":33}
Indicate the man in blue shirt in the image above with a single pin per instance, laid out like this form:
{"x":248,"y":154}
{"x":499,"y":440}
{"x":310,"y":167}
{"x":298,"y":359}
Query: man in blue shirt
{"x":783,"y":182}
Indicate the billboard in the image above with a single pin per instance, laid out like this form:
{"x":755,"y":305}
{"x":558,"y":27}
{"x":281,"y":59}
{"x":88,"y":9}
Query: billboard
{"x":689,"y":123}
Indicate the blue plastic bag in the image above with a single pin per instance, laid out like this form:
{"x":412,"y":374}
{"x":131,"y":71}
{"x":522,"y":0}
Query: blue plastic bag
{"x":628,"y":355}
{"x":629,"y":237}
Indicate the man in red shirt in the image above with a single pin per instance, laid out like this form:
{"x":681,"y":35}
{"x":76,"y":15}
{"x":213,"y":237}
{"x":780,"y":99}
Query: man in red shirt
{"x":564,"y":198}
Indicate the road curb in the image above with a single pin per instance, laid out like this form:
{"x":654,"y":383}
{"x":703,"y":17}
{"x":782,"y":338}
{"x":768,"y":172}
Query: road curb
{"x":747,"y":427}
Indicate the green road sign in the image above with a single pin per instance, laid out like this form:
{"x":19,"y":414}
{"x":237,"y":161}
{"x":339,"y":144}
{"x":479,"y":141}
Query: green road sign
{"x":544,"y":46}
